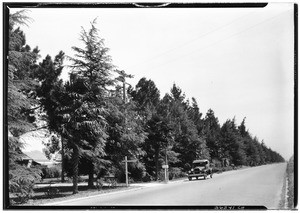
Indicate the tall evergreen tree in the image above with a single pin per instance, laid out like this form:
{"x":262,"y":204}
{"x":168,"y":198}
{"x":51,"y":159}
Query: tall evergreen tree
{"x":211,"y":131}
{"x":125,"y":131}
{"x":147,"y":98}
{"x":231,"y":144}
{"x":21,"y":92}
{"x":49,"y":91}
{"x":21,"y":98}
{"x":91,"y":75}
{"x":160,"y":140}
{"x":188,"y":143}
{"x":196,"y":116}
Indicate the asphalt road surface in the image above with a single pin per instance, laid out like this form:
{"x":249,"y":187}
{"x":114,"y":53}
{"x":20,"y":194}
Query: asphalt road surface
{"x":258,"y":186}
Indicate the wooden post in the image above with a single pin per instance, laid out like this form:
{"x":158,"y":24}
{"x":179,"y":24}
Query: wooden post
{"x":166,"y":175}
{"x":126,"y":168}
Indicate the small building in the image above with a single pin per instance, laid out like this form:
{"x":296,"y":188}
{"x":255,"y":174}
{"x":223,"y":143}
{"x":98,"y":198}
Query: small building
{"x":34,"y":158}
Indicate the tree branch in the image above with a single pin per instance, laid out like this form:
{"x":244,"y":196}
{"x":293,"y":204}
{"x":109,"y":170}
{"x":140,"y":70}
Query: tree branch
{"x":36,"y":129}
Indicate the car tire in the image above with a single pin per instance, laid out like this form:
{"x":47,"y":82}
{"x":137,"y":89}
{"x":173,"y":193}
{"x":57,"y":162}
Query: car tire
{"x":190,"y":179}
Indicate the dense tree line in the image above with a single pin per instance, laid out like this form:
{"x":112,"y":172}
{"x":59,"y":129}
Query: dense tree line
{"x":98,"y":119}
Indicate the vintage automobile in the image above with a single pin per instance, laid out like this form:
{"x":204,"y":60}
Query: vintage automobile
{"x":200,"y":168}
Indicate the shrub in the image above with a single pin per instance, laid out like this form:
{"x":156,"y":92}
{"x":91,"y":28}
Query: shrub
{"x":147,"y":177}
{"x":52,"y":172}
{"x":217,"y":170}
{"x":175,"y":172}
{"x":52,"y":192}
{"x":216,"y":163}
{"x":136,"y":173}
{"x":161,"y":175}
{"x":21,"y":182}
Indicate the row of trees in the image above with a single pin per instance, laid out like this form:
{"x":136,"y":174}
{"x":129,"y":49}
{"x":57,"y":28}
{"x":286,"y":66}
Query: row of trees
{"x":98,"y":120}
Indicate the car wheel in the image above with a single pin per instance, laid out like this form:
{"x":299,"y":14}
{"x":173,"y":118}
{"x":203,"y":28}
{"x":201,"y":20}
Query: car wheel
{"x":190,"y":179}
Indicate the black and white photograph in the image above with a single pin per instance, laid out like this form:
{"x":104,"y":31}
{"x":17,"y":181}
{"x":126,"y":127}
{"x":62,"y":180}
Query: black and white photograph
{"x":150,"y":106}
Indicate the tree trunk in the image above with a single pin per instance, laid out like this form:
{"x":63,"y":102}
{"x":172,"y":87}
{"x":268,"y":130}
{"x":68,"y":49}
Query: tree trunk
{"x":62,"y":161}
{"x":91,"y":175}
{"x":75,"y":169}
{"x":156,"y":163}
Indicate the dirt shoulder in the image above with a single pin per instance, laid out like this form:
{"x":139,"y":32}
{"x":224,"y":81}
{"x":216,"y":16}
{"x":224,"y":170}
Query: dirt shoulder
{"x":288,"y":189}
{"x":65,"y":193}
{"x":291,"y":184}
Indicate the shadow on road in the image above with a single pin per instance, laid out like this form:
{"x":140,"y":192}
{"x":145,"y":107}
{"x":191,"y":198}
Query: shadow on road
{"x":199,"y":179}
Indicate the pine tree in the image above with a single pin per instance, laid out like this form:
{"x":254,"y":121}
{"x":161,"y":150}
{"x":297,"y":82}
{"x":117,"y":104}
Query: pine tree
{"x":211,"y":131}
{"x":49,"y":92}
{"x":85,"y":128}
{"x":125,"y":131}
{"x":21,"y":63}
{"x":158,"y":143}
{"x":231,"y":144}
{"x":21,"y":98}
{"x":147,"y":98}
{"x":188,"y":143}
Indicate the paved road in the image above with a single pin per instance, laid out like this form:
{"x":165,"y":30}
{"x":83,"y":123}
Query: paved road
{"x":252,"y":186}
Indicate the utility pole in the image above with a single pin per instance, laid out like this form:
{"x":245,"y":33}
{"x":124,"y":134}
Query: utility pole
{"x":122,"y":78}
{"x":126,"y":171}
{"x":126,"y":168}
{"x":166,"y":170}
{"x":166,"y":166}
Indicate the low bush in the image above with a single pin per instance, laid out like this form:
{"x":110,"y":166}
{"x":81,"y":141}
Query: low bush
{"x":52,"y":192}
{"x":161,"y":175}
{"x":147,"y":177}
{"x":52,"y":172}
{"x":175,"y":172}
{"x":217,"y":170}
{"x":136,"y":173}
{"x":21,"y":183}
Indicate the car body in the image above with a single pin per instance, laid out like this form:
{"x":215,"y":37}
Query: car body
{"x":200,"y":168}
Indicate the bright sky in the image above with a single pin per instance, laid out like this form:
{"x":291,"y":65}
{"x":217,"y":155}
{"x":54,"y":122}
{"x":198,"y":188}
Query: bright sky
{"x":238,"y":61}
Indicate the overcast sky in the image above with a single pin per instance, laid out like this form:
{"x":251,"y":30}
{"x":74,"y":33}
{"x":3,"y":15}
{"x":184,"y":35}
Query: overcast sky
{"x":238,"y":61}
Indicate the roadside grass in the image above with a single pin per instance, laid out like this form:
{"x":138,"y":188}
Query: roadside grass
{"x":283,"y":201}
{"x":42,"y":195}
{"x":291,"y":185}
{"x":287,"y":195}
{"x":53,"y":193}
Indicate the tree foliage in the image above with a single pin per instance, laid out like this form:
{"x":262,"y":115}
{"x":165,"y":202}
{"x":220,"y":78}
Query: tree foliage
{"x":21,"y":98}
{"x":86,"y":127}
